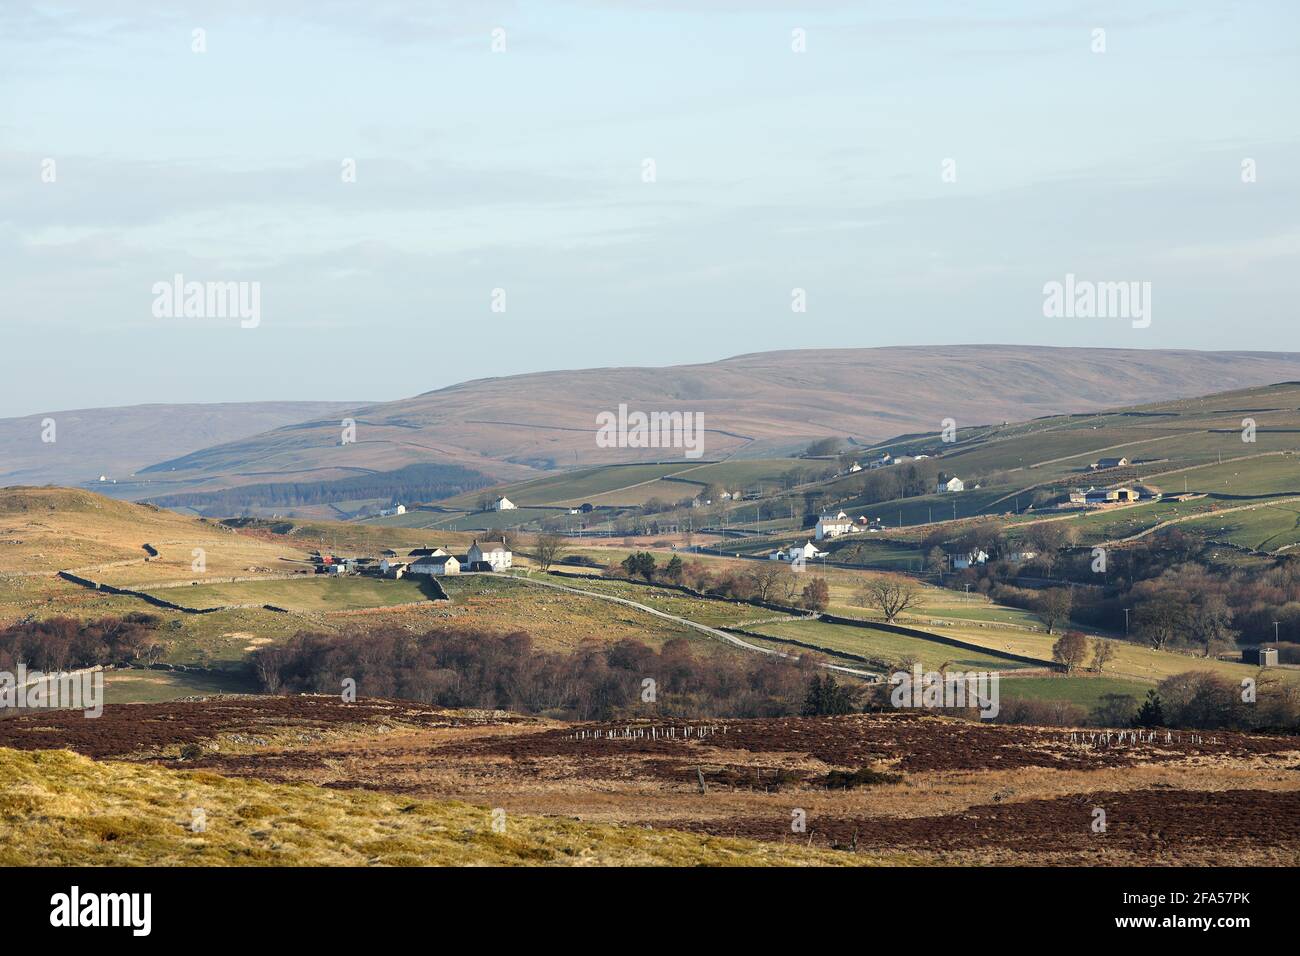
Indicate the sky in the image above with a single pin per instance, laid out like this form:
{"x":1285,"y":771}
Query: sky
{"x":543,"y":185}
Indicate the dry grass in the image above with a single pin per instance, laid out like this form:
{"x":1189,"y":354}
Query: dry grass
{"x":61,"y":809}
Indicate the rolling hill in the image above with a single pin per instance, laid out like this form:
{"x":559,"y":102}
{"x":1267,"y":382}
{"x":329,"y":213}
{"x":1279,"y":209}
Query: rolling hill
{"x":115,"y":442}
{"x":758,"y":405}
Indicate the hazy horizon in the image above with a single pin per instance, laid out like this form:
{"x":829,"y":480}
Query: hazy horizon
{"x":919,"y":172}
{"x":379,"y":400}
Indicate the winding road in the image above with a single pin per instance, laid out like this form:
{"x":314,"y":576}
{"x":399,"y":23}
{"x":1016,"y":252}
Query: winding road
{"x":711,"y":631}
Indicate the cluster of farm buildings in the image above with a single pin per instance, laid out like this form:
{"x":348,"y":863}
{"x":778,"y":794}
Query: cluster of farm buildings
{"x":485,"y":556}
{"x":884,"y":461}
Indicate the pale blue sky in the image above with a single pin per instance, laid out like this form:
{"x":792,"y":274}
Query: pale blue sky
{"x":522,"y":170}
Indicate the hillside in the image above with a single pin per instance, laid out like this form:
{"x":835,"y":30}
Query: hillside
{"x":60,"y":809}
{"x":309,"y":779}
{"x":115,"y":442}
{"x":763,"y":404}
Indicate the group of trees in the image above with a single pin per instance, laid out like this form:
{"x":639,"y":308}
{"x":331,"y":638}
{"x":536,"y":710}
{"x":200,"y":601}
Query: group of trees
{"x":64,"y":644}
{"x":643,"y":564}
{"x":1174,"y":598}
{"x":1204,"y":700}
{"x":767,"y":581}
{"x":827,"y":697}
{"x":1075,"y":650}
{"x":1193,"y":700}
{"x":1049,"y":540}
{"x":597,"y":681}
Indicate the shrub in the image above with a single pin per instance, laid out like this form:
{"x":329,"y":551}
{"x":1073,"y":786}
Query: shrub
{"x":468,"y":668}
{"x":862,"y":777}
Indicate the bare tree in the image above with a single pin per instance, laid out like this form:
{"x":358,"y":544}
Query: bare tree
{"x":548,"y":549}
{"x":1161,"y":621}
{"x":816,"y":595}
{"x":1210,"y":623}
{"x":888,"y":596}
{"x":1102,"y":653}
{"x":765,"y":578}
{"x":1053,"y":607}
{"x":1070,"y":649}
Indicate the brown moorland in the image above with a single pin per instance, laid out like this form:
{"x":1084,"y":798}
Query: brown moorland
{"x":918,"y":787}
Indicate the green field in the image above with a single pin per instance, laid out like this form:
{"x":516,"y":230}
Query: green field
{"x":1265,"y":528}
{"x":714,"y":613}
{"x":317,"y":593}
{"x":634,"y":483}
{"x":466,"y":520}
{"x":138,"y":686}
{"x":1268,"y":475}
{"x":886,"y":646}
{"x":927,"y":508}
{"x":574,"y":487}
{"x":1131,"y":661}
{"x":1084,"y":691}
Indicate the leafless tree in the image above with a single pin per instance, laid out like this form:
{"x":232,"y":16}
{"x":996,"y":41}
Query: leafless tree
{"x":1102,"y":653}
{"x":1161,"y":621}
{"x":1070,"y":649}
{"x":888,"y":596}
{"x":765,"y":578}
{"x":1053,"y":607}
{"x":548,"y":549}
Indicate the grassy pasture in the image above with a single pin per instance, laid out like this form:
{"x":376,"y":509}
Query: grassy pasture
{"x":885,"y":645}
{"x":1269,"y":475}
{"x":573,"y":487}
{"x":1131,"y":661}
{"x":707,"y":611}
{"x":633,"y":484}
{"x":317,"y":593}
{"x":1266,"y":528}
{"x":924,"y":508}
{"x":1085,"y":691}
{"x":466,"y":523}
{"x":137,"y":686}
{"x":556,"y":620}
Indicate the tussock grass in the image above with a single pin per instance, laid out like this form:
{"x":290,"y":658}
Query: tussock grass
{"x":60,"y":809}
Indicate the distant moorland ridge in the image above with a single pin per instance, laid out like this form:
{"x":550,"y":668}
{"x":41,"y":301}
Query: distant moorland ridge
{"x":760,"y":404}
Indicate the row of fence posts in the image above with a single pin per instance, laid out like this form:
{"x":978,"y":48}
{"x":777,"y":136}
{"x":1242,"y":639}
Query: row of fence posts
{"x":650,"y":733}
{"x":1107,"y":738}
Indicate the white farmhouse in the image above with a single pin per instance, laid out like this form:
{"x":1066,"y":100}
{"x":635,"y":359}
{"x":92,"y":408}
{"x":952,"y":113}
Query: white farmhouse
{"x":808,"y":551}
{"x":962,"y":561}
{"x":833,"y":525}
{"x":389,"y":512}
{"x":952,"y":484}
{"x":504,"y":504}
{"x":435,"y":564}
{"x":492,"y":553}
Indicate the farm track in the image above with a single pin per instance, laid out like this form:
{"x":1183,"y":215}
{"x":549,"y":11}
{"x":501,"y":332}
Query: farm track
{"x":711,"y":631}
